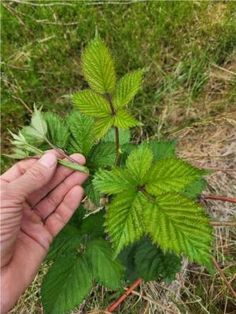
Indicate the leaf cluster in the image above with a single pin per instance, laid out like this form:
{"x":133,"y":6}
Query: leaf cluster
{"x":146,"y":197}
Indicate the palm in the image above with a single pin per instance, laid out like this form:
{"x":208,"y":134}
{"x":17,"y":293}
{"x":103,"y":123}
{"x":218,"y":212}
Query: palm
{"x":28,"y":226}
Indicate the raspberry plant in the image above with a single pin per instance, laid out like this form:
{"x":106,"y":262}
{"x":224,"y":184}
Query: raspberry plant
{"x":147,"y":214}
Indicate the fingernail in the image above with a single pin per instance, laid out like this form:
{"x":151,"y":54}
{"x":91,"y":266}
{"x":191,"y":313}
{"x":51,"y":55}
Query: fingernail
{"x":48,"y":160}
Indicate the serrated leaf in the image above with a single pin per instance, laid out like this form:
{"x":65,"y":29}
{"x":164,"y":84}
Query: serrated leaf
{"x":152,"y":263}
{"x":18,"y":153}
{"x":32,"y":136}
{"x":65,"y":242}
{"x":124,"y":120}
{"x":38,"y":122}
{"x":90,"y":191}
{"x":127,"y":88}
{"x":92,"y":226}
{"x":91,"y":104}
{"x":171,"y":175}
{"x":124,"y":136}
{"x":102,"y":125}
{"x":124,"y":219}
{"x":82,"y":133}
{"x":106,"y":270}
{"x":58,"y":132}
{"x":195,"y":188}
{"x":162,"y":149}
{"x":178,"y":224}
{"x":98,"y":67}
{"x":102,"y":155}
{"x":112,"y":182}
{"x":139,"y":163}
{"x":66,"y":284}
{"x":77,"y":217}
{"x":127,"y":257}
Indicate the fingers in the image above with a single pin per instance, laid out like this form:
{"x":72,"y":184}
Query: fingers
{"x":17,"y":170}
{"x":53,"y":199}
{"x":57,"y":220}
{"x":35,"y":177}
{"x":61,"y":174}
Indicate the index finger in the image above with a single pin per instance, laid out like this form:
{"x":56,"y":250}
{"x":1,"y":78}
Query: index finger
{"x":20,"y":168}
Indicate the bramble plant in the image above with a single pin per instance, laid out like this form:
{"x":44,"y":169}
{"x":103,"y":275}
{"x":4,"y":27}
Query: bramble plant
{"x":147,"y":214}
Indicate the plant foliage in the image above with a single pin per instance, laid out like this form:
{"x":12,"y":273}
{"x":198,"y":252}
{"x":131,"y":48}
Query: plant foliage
{"x":147,"y":215}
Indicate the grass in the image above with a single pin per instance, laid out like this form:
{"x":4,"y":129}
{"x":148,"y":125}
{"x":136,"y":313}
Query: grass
{"x":188,"y":50}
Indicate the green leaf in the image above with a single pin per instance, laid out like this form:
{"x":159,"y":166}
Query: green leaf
{"x":38,"y":122}
{"x":195,"y":189}
{"x":171,"y":175}
{"x":82,"y":133}
{"x":127,"y":257}
{"x":91,"y":192}
{"x":124,"y":120}
{"x":127,"y":88}
{"x":98,"y":67}
{"x":66,"y":284}
{"x":124,"y":219}
{"x":106,"y":270}
{"x":152,"y":263}
{"x":77,"y":217}
{"x":102,"y":155}
{"x":65,"y":242}
{"x":58,"y":132}
{"x":18,"y":153}
{"x":102,"y":125}
{"x":163,"y":149}
{"x":92,"y":104}
{"x":124,"y":136}
{"x":32,"y":136}
{"x":112,"y":182}
{"x":139,"y":163}
{"x":178,"y":224}
{"x":92,"y":226}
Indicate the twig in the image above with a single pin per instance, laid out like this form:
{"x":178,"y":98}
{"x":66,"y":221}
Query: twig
{"x":115,"y":304}
{"x":42,"y":4}
{"x":23,"y":103}
{"x":220,"y":198}
{"x":151,"y":301}
{"x":224,"y":279}
{"x":223,"y":223}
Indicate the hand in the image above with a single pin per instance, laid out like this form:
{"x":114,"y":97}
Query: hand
{"x":37,"y":200}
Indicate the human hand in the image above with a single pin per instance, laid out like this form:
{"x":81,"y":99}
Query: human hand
{"x":37,"y":200}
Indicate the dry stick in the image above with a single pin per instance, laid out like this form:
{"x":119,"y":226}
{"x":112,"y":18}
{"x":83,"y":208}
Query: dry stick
{"x":23,"y":103}
{"x":223,"y":223}
{"x":152,"y":301}
{"x":220,"y":198}
{"x":224,"y":279}
{"x":114,"y":305}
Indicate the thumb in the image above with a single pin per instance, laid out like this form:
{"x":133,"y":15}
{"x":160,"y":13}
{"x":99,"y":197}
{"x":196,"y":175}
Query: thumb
{"x":36,"y":176}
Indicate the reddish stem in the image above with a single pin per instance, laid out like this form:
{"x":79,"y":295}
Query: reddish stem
{"x":220,"y":198}
{"x":115,"y":304}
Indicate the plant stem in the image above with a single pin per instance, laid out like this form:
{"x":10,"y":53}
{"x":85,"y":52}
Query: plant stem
{"x":117,"y":140}
{"x":115,"y":304}
{"x":69,"y":164}
{"x":220,"y":198}
{"x":117,"y":137}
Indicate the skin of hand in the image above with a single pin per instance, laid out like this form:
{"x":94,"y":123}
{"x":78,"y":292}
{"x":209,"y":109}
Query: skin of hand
{"x":38,"y":198}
